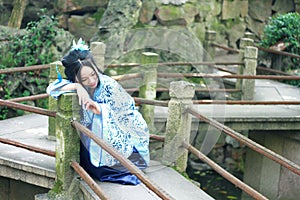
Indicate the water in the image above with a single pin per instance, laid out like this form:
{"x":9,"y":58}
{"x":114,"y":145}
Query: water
{"x":215,"y":185}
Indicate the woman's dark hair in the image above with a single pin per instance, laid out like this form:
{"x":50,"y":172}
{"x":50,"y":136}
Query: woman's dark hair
{"x":86,"y":63}
{"x":74,"y":60}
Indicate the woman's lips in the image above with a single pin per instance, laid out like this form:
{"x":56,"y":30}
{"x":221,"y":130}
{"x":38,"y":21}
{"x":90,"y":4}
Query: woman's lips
{"x":94,"y":85}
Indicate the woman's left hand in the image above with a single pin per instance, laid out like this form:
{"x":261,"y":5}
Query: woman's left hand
{"x":89,"y":104}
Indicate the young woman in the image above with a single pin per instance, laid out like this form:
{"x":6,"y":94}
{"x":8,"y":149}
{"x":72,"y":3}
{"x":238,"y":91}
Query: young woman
{"x":109,"y":112}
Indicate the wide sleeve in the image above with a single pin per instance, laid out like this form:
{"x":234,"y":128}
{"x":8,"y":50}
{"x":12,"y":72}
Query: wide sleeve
{"x":124,"y":112}
{"x":54,"y":88}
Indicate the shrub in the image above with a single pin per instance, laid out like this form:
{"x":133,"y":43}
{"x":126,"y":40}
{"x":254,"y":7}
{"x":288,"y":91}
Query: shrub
{"x":25,"y":49}
{"x":284,"y":28}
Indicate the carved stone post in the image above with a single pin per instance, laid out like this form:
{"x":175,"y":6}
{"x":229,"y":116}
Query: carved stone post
{"x":210,"y":38}
{"x":250,"y":60}
{"x":98,"y":51}
{"x":148,"y":88}
{"x":67,"y":140}
{"x":52,"y":102}
{"x":178,"y":124}
{"x":243,"y":43}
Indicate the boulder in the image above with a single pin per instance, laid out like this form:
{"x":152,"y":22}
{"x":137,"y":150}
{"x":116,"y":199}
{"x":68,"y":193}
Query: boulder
{"x":255,"y":26}
{"x":119,"y":16}
{"x":234,"y":9}
{"x":169,"y":15}
{"x":260,"y":10}
{"x":79,"y":6}
{"x":147,"y":11}
{"x":283,"y":6}
{"x":209,"y":8}
{"x":82,"y":26}
{"x":235,"y":31}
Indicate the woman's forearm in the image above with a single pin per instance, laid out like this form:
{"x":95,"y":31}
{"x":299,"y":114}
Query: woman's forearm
{"x":71,"y":86}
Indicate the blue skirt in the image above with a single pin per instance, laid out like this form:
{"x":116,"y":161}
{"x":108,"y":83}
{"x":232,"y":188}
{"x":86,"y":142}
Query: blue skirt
{"x":117,"y":173}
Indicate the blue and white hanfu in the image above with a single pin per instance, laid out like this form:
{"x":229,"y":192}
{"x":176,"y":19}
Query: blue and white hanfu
{"x":120,"y":124}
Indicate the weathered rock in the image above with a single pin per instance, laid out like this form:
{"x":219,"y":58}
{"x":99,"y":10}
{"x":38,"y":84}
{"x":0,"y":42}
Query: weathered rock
{"x":190,"y":11}
{"x":179,"y":43}
{"x":79,"y":5}
{"x":207,"y":8}
{"x":297,"y":5}
{"x":234,"y":9}
{"x":169,"y":15}
{"x":147,"y":11}
{"x":260,"y":10}
{"x":82,"y":26}
{"x":121,"y":14}
{"x":255,"y":26}
{"x":235,"y":32}
{"x":283,"y":6}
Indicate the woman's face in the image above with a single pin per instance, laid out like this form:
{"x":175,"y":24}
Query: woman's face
{"x":89,"y":77}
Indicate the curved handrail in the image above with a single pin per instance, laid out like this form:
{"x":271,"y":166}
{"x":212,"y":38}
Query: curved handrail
{"x":24,"y":69}
{"x":28,"y":108}
{"x":124,"y":161}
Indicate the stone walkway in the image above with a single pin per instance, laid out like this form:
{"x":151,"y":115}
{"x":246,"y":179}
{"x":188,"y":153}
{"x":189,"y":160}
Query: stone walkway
{"x":39,"y":169}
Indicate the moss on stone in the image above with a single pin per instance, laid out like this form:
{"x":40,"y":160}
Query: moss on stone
{"x":56,"y":189}
{"x":98,"y":15}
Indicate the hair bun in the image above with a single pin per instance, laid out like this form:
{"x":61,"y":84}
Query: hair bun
{"x":71,"y":61}
{"x":74,"y":56}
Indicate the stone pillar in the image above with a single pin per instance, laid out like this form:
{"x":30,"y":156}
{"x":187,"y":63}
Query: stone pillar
{"x":98,"y":51}
{"x":210,"y":38}
{"x":249,"y":35}
{"x":148,"y":88}
{"x":68,"y":140}
{"x":52,"y":102}
{"x":178,"y":126}
{"x":250,"y":60}
{"x":243,"y":44}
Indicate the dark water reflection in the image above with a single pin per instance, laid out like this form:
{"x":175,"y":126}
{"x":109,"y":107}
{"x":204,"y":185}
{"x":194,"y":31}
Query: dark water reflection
{"x":215,"y":185}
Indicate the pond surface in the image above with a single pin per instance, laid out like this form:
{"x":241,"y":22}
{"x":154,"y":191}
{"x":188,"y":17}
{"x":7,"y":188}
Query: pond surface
{"x":215,"y":185}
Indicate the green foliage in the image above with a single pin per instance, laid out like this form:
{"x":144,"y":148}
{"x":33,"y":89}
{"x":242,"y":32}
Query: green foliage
{"x":31,"y":48}
{"x":283,"y":28}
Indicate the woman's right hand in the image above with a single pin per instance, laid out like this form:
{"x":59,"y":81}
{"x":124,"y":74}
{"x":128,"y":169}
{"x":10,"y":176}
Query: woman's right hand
{"x":83,"y":95}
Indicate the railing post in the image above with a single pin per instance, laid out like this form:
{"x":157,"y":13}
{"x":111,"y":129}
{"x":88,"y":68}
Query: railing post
{"x":250,"y":60}
{"x":98,"y":51}
{"x":178,"y":124}
{"x":249,"y":35}
{"x":243,"y":43}
{"x":210,"y":38}
{"x":52,"y":103}
{"x":148,"y":88}
{"x":67,"y":140}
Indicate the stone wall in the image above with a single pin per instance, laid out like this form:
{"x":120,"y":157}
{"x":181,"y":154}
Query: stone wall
{"x":230,"y":18}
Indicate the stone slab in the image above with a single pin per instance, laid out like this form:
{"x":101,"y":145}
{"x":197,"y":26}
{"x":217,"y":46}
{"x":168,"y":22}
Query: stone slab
{"x":172,"y":183}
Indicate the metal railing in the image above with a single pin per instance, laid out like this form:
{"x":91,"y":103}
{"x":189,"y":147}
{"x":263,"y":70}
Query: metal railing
{"x":124,"y":161}
{"x":131,"y":167}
